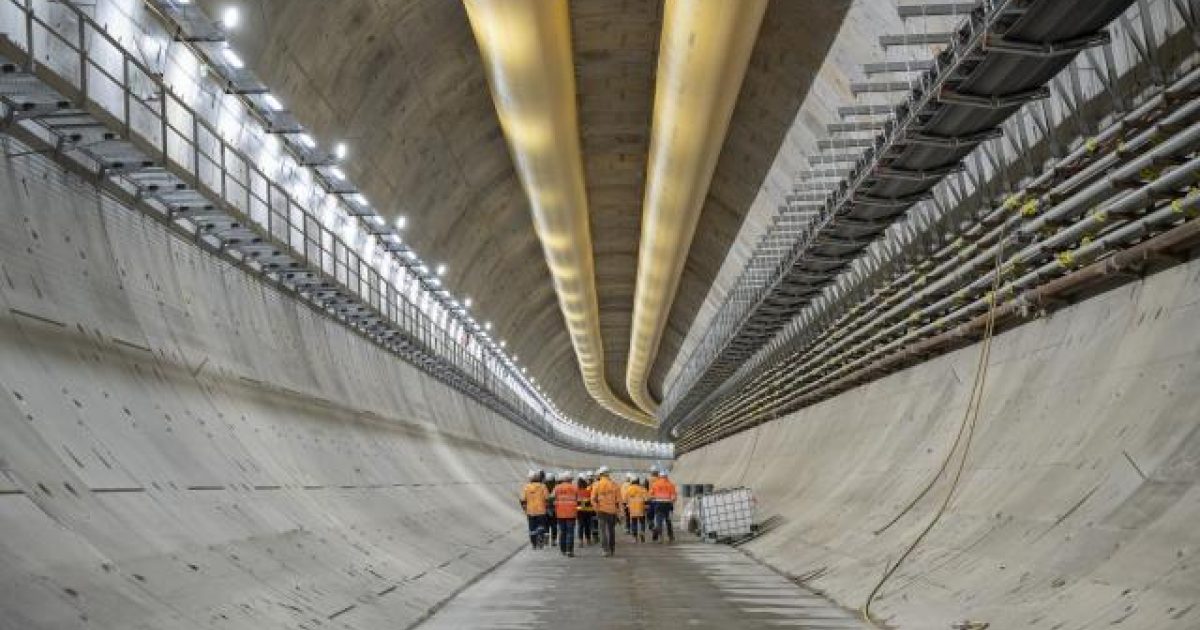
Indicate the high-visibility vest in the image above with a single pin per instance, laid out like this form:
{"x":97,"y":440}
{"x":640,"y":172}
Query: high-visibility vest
{"x":566,"y":500}
{"x":635,"y":498}
{"x":585,"y":498}
{"x":662,"y":490}
{"x":605,"y":496}
{"x":534,"y":498}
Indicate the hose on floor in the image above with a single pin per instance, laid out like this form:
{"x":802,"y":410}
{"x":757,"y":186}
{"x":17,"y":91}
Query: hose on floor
{"x":966,"y":428}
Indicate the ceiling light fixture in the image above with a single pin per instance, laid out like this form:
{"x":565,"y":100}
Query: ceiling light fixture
{"x":231,"y":17}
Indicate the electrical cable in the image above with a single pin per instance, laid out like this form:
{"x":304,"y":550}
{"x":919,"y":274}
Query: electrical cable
{"x":970,"y":420}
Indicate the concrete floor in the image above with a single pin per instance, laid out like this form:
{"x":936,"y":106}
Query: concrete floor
{"x":685,"y":585}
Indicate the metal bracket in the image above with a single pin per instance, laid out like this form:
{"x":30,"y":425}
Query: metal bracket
{"x":996,"y":101}
{"x":1001,"y":44}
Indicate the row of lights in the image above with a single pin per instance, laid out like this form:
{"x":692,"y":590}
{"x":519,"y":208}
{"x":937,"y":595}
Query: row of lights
{"x":230,"y":19}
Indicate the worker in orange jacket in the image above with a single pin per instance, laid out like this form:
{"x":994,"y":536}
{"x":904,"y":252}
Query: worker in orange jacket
{"x":662,"y":495}
{"x":566,"y":507}
{"x":533,"y":499}
{"x":586,"y":516}
{"x":606,"y":500}
{"x":635,"y":502}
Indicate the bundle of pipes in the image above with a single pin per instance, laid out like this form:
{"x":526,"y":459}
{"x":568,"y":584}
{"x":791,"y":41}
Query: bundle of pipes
{"x":1099,"y":179}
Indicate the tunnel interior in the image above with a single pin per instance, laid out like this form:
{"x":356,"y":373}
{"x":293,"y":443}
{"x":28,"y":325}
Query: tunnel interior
{"x":282,"y":340}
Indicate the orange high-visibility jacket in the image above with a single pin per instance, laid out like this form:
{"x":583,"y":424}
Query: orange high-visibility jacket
{"x":605,"y":496}
{"x":566,"y":500}
{"x":635,"y":498}
{"x":534,"y":497}
{"x":662,"y":489}
{"x":585,"y":497}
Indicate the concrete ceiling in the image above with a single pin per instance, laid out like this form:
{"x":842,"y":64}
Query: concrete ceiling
{"x":401,"y":81}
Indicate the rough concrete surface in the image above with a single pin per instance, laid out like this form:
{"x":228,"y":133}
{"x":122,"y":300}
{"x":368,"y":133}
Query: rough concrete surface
{"x":185,"y":447}
{"x":1079,"y":501}
{"x":686,"y":585}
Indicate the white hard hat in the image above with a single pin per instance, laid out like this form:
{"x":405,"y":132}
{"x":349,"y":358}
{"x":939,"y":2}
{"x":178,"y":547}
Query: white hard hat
{"x":630,"y":477}
{"x":532,"y":474}
{"x":654,"y":469}
{"x":664,"y":473}
{"x":550,"y":477}
{"x":603,"y":470}
{"x":566,"y":475}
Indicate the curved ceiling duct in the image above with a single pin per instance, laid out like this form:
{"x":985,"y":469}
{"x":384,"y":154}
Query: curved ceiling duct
{"x":702,"y":59}
{"x":526,"y":49}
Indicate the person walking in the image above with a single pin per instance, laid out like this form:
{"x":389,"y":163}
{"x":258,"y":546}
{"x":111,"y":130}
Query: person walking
{"x":662,"y":495}
{"x":629,"y":481}
{"x":566,"y":505}
{"x":551,"y":523}
{"x":635,"y":503}
{"x":606,"y":500}
{"x":585,"y":513}
{"x":533,"y":499}
{"x":647,"y":483}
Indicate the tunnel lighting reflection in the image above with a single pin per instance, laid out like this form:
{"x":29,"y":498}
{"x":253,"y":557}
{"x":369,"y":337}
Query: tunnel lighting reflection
{"x":273,"y":102}
{"x":232,"y":58}
{"x":307,"y":141}
{"x":441,"y":270}
{"x":401,"y":222}
{"x":231,"y":17}
{"x":340,"y":151}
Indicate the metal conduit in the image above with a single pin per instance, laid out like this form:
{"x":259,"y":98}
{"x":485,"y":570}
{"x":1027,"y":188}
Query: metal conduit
{"x":970,"y":90}
{"x":1182,"y":143}
{"x":1119,"y":203}
{"x":702,"y":59}
{"x":885,"y":302}
{"x":861,"y":320}
{"x":526,"y":49}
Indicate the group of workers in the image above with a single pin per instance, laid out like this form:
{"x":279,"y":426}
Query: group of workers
{"x":591,"y":504}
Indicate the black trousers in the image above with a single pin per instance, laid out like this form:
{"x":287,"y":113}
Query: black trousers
{"x":587,"y":526}
{"x":537,"y":528}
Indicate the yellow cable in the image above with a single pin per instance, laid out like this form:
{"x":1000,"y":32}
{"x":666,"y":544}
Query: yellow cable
{"x":970,"y":419}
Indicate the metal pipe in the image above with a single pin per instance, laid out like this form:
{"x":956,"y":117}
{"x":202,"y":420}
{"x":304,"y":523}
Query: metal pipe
{"x":1181,"y":235}
{"x":1134,"y":229}
{"x":963,"y":264}
{"x":703,"y":54}
{"x":526,"y":49}
{"x":1181,"y":142}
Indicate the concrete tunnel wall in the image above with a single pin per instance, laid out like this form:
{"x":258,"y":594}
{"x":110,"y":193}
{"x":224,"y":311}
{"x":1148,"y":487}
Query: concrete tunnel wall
{"x":1079,"y":504}
{"x":184,"y":446}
